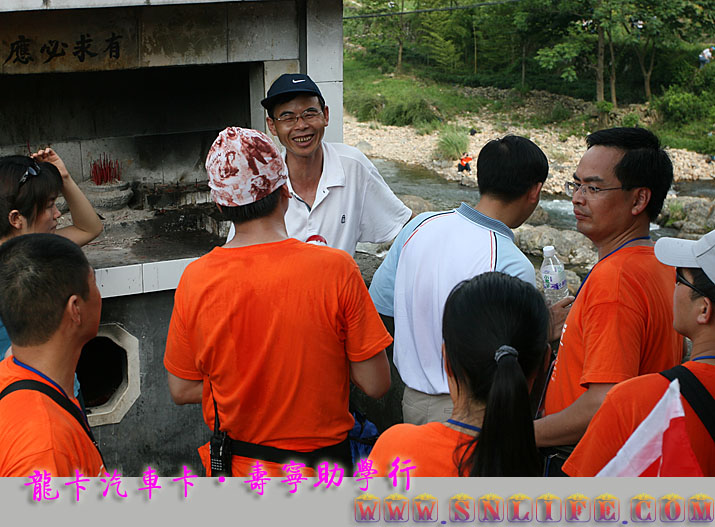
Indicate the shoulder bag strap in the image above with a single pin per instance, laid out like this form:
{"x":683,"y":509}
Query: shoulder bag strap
{"x":696,"y":394}
{"x":60,"y":399}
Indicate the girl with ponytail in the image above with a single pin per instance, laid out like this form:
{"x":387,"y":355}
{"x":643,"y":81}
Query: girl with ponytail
{"x":495,"y":330}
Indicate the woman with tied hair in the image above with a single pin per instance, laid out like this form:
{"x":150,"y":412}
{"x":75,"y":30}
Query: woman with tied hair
{"x":495,"y":330}
{"x":29,"y":186}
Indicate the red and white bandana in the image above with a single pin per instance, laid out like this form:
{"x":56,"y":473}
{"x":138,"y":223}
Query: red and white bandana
{"x":244,"y":166}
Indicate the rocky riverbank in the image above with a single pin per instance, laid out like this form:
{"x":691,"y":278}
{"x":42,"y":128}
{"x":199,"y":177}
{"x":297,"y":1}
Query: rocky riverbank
{"x":691,"y":216}
{"x":406,"y":145}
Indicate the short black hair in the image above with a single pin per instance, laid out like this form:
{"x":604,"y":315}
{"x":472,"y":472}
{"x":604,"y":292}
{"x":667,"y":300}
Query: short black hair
{"x":508,"y":168}
{"x":30,"y":197}
{"x":701,"y":281}
{"x":287,"y":97}
{"x":258,"y":209}
{"x":38,"y":274}
{"x":644,"y":164}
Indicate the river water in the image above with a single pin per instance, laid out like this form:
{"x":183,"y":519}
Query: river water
{"x":445,"y":195}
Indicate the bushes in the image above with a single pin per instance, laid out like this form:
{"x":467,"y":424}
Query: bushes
{"x":704,"y":80}
{"x":452,"y":142}
{"x":367,"y":108}
{"x":680,"y":107}
{"x":560,"y":113}
{"x":403,"y":113}
{"x":631,"y":120}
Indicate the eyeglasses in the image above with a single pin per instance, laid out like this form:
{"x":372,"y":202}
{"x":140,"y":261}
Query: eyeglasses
{"x":32,"y":170}
{"x":680,"y":279}
{"x":589,"y":191}
{"x":308,"y":116}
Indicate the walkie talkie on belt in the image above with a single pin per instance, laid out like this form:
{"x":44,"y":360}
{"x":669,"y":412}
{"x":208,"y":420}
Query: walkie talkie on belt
{"x":219,"y":447}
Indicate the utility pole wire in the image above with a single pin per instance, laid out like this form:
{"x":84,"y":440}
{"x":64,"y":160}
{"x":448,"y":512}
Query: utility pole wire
{"x":431,"y":10}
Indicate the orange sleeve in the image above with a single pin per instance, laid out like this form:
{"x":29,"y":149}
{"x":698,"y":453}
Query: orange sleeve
{"x":386,"y":449}
{"x":613,"y":339}
{"x":179,"y":358}
{"x":56,"y":463}
{"x":609,"y":429}
{"x":24,"y":467}
{"x":365,"y":334}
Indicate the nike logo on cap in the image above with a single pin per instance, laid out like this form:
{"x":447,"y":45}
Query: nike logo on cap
{"x":296,"y":81}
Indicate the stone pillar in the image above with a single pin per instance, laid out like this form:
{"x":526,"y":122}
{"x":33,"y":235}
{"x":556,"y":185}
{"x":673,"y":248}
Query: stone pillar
{"x":324,"y":58}
{"x":257,"y":90}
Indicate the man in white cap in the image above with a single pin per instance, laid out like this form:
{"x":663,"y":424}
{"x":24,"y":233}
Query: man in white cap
{"x":267,"y":331}
{"x":628,"y":403}
{"x":339,"y":197}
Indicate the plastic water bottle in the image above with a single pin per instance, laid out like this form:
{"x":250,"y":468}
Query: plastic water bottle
{"x":554,"y":277}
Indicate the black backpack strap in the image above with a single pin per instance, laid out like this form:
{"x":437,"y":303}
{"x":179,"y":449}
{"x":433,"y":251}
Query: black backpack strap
{"x":696,"y":394}
{"x":60,"y":399}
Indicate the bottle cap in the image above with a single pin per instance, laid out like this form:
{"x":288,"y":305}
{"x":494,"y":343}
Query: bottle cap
{"x":549,"y":251}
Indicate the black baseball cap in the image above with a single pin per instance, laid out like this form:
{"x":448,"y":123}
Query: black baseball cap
{"x":291,"y":83}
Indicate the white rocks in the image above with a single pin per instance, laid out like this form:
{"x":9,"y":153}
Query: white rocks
{"x":405,"y":145}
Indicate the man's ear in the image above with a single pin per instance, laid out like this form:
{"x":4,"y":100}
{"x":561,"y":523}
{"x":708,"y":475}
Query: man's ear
{"x":705,"y":314}
{"x":73,"y":310}
{"x":17,"y":220}
{"x":640,"y":200}
{"x":271,"y":126}
{"x":534,"y":192}
{"x":326,"y":114}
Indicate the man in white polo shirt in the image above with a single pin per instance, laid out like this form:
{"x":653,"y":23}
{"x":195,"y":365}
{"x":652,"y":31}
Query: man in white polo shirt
{"x":437,"y":250}
{"x":339,"y":197}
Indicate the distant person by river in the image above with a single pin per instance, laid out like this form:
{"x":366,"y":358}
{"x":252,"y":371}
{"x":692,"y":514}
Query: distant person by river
{"x":464,"y":163}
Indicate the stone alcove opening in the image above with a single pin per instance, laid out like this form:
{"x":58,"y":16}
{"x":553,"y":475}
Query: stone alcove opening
{"x":101,"y":370}
{"x":108,"y":373}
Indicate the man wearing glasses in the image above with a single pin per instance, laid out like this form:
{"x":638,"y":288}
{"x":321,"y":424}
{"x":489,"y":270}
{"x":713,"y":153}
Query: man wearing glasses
{"x":339,"y":197}
{"x":620,"y":325}
{"x":629,"y":403}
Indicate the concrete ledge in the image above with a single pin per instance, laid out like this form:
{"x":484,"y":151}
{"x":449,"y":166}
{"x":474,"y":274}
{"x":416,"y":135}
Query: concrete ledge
{"x":140,"y":278}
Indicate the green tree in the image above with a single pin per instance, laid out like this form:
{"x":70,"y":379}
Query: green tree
{"x":583,"y":46}
{"x":441,"y":34}
{"x":654,"y":24}
{"x":382,"y":29}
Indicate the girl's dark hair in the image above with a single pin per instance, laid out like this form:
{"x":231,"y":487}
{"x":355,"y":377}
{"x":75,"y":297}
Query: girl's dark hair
{"x":30,"y":197}
{"x":480,"y":316}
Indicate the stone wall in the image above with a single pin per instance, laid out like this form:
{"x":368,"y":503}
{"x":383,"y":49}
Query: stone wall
{"x":151,"y":85}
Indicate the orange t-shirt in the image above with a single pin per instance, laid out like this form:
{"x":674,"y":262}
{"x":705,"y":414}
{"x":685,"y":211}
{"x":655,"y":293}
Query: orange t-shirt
{"x":433,"y":448}
{"x":620,"y":326}
{"x":274,"y":327}
{"x":38,"y":434}
{"x":624,"y":408}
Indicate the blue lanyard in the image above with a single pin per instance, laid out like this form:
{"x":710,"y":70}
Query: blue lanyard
{"x":704,"y":357}
{"x":609,"y":254}
{"x":464,"y":425}
{"x":33,"y":370}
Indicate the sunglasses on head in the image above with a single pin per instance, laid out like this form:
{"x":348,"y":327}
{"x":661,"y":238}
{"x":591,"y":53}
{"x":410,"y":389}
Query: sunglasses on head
{"x":680,"y":279}
{"x":32,"y":170}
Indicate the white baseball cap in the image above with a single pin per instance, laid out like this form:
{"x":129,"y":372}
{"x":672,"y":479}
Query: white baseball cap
{"x":689,"y":253}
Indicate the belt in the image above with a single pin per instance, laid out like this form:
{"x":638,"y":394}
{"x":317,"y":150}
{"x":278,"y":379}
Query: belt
{"x":339,"y":453}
